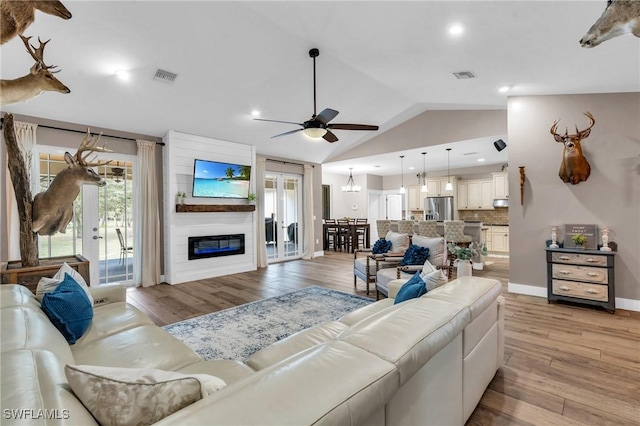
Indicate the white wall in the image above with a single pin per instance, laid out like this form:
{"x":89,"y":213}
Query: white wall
{"x":347,"y":204}
{"x":180,"y":151}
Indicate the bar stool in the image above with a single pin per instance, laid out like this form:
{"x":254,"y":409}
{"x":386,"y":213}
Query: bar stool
{"x":454,"y":233}
{"x":405,"y":227}
{"x":383,"y":226}
{"x":428,"y":228}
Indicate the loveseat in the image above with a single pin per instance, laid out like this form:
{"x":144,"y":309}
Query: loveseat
{"x":423,"y":361}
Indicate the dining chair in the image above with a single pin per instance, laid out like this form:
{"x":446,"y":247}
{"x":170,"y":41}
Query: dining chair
{"x":124,"y":249}
{"x":331,"y":234}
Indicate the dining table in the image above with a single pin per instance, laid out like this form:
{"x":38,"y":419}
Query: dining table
{"x":351,"y":230}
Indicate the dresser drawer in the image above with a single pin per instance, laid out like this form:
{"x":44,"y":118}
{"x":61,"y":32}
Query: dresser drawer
{"x":579,"y":259}
{"x":581,"y":273}
{"x":581,"y":290}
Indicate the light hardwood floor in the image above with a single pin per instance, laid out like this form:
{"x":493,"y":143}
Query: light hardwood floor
{"x":563,"y":365}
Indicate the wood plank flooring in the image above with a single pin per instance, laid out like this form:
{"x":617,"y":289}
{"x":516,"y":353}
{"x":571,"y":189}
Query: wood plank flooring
{"x":563,"y":364}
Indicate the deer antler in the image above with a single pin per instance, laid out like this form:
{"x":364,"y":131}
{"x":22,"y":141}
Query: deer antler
{"x":592,"y":121}
{"x":38,"y":54}
{"x":553,"y":129}
{"x":88,"y":147}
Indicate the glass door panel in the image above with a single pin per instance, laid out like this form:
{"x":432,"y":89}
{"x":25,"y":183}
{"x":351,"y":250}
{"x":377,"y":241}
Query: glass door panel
{"x":283,"y":205}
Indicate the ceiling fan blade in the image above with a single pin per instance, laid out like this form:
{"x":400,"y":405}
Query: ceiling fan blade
{"x":286,"y":133}
{"x":330,"y":137}
{"x":344,"y":126}
{"x":278,"y":121}
{"x":326,"y":115}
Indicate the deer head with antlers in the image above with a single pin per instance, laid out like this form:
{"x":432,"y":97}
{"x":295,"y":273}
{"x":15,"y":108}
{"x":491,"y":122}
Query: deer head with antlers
{"x":574,"y":167}
{"x":39,"y":79}
{"x":619,"y":17}
{"x":16,"y":16}
{"x":53,"y":208}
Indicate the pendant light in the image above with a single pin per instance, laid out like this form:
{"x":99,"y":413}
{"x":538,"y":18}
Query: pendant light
{"x":424,"y":173}
{"x":402,"y":189}
{"x":351,"y":185}
{"x":448,"y":187}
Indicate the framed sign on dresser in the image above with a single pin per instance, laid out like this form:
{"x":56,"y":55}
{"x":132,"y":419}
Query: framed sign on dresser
{"x":581,"y":276}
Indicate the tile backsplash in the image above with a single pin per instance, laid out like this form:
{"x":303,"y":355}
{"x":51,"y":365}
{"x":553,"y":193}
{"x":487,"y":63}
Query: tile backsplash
{"x":498,"y":216}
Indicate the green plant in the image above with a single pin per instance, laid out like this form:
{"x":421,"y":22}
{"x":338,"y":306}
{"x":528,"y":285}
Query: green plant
{"x":579,"y":239}
{"x":251,"y":196}
{"x":462,"y":253}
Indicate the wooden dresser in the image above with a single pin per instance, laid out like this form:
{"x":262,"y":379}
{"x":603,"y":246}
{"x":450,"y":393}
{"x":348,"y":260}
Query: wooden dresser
{"x":581,"y":276}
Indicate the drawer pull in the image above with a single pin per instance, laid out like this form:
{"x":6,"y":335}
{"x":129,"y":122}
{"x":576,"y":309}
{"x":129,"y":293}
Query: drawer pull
{"x":564,"y":272}
{"x":565,"y":288}
{"x":592,"y":260}
{"x":564,"y":258}
{"x":592,"y":291}
{"x":592,"y":274}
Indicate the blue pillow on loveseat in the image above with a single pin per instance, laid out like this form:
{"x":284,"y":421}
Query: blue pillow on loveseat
{"x":69,"y":309}
{"x":381,"y":246}
{"x":413,"y":288}
{"x":415,"y":255}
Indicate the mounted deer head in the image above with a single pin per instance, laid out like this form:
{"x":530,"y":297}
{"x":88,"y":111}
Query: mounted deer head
{"x":16,"y":16}
{"x":53,"y":208}
{"x":574,"y":167}
{"x":39,"y":79}
{"x":619,"y":17}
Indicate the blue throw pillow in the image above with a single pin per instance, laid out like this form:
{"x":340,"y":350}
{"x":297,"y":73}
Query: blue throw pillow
{"x":415,"y":255}
{"x":69,"y":309}
{"x":413,"y":288}
{"x":381,"y":246}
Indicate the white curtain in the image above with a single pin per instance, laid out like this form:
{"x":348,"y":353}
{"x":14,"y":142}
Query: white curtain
{"x":147,"y":242}
{"x":26,"y":138}
{"x":260,"y":227}
{"x":307,"y":213}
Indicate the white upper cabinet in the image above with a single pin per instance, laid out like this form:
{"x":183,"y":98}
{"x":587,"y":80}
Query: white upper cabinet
{"x":476,"y":194}
{"x":500,"y":185}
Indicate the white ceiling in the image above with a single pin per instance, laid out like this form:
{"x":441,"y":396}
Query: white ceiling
{"x":380,"y":63}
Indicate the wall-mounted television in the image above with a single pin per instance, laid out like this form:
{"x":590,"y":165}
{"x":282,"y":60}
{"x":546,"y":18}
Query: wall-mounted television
{"x":213,"y":179}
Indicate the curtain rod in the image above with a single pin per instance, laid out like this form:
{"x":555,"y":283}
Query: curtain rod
{"x":289,"y":162}
{"x":92,"y":133}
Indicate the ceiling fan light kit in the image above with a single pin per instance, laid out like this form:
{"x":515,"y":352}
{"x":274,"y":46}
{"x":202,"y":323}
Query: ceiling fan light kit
{"x":424,"y":173}
{"x":448,"y":186}
{"x":318,"y":126}
{"x":402,"y":188}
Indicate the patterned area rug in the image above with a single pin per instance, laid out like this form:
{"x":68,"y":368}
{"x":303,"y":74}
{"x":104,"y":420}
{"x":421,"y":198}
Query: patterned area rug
{"x":238,"y":332}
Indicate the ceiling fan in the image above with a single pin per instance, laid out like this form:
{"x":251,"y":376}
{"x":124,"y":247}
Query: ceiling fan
{"x":319,"y":126}
{"x":117,"y":172}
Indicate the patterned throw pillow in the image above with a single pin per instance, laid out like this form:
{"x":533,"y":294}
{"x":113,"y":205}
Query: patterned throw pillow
{"x":415,"y":255}
{"x":434,"y":279}
{"x":381,"y":246}
{"x":69,"y":309}
{"x":128,"y":396}
{"x":413,"y":288}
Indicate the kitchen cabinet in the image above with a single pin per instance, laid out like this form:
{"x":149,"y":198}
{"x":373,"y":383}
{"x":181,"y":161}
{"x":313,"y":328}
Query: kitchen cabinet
{"x":475,"y":194}
{"x":581,"y":276}
{"x":500,"y":185}
{"x":437,"y":187}
{"x":499,"y":237}
{"x":415,"y":198}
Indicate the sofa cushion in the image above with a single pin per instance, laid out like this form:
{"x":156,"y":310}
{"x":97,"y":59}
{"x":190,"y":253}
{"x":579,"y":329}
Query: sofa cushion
{"x":399,"y":242}
{"x":436,"y":246}
{"x":415,"y":255}
{"x":112,"y":318}
{"x":294,"y":344}
{"x":229,"y":370}
{"x":360,"y":266}
{"x":413,"y":288}
{"x":69,"y":309}
{"x":17,"y":295}
{"x":381,"y":246}
{"x":361,"y":314}
{"x":132,"y":396}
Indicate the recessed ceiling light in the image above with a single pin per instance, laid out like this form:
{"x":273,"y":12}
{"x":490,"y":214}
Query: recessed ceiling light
{"x":504,"y":89}
{"x":456,"y":29}
{"x":480,"y":160}
{"x":411,"y":168}
{"x":122,"y":74}
{"x":255,"y":113}
{"x":377,"y":166}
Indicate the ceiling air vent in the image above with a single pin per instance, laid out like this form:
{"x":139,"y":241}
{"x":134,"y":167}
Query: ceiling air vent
{"x":165,"y":76}
{"x":464,"y":75}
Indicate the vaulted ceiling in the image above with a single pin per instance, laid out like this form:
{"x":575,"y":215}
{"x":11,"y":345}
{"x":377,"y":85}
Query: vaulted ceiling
{"x":380,"y":63}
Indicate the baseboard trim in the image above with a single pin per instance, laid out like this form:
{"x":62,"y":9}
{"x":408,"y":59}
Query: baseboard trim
{"x":318,"y":253}
{"x":532,"y":290}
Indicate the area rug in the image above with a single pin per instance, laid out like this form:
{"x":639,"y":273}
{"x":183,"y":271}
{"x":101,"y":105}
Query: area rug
{"x":238,"y":332}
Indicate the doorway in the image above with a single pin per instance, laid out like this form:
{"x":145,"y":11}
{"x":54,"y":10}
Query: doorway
{"x":98,"y":215}
{"x":283,"y":220}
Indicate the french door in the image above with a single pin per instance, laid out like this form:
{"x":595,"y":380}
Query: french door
{"x":99,"y":216}
{"x":283,"y":216}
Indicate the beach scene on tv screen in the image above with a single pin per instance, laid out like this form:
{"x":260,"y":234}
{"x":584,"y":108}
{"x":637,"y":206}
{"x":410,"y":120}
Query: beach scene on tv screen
{"x":220,"y":180}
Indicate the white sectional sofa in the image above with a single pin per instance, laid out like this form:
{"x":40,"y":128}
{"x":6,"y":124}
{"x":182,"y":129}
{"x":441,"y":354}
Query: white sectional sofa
{"x":426,"y":361}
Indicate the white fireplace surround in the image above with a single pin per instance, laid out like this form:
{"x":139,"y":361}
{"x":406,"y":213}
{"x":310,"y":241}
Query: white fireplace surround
{"x":180,"y":151}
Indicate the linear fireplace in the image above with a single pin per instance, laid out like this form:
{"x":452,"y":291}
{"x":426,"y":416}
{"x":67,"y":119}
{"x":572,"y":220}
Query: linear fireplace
{"x":215,"y":245}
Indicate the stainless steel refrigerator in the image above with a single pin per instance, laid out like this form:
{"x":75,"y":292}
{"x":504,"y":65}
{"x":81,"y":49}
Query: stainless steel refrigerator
{"x":438,"y":208}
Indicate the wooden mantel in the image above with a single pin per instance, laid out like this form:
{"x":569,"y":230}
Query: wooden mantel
{"x":204,"y":208}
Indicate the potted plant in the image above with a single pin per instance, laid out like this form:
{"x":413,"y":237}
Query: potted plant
{"x":180,"y":197}
{"x":463,"y":259}
{"x":579,"y":240}
{"x":251,"y":198}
